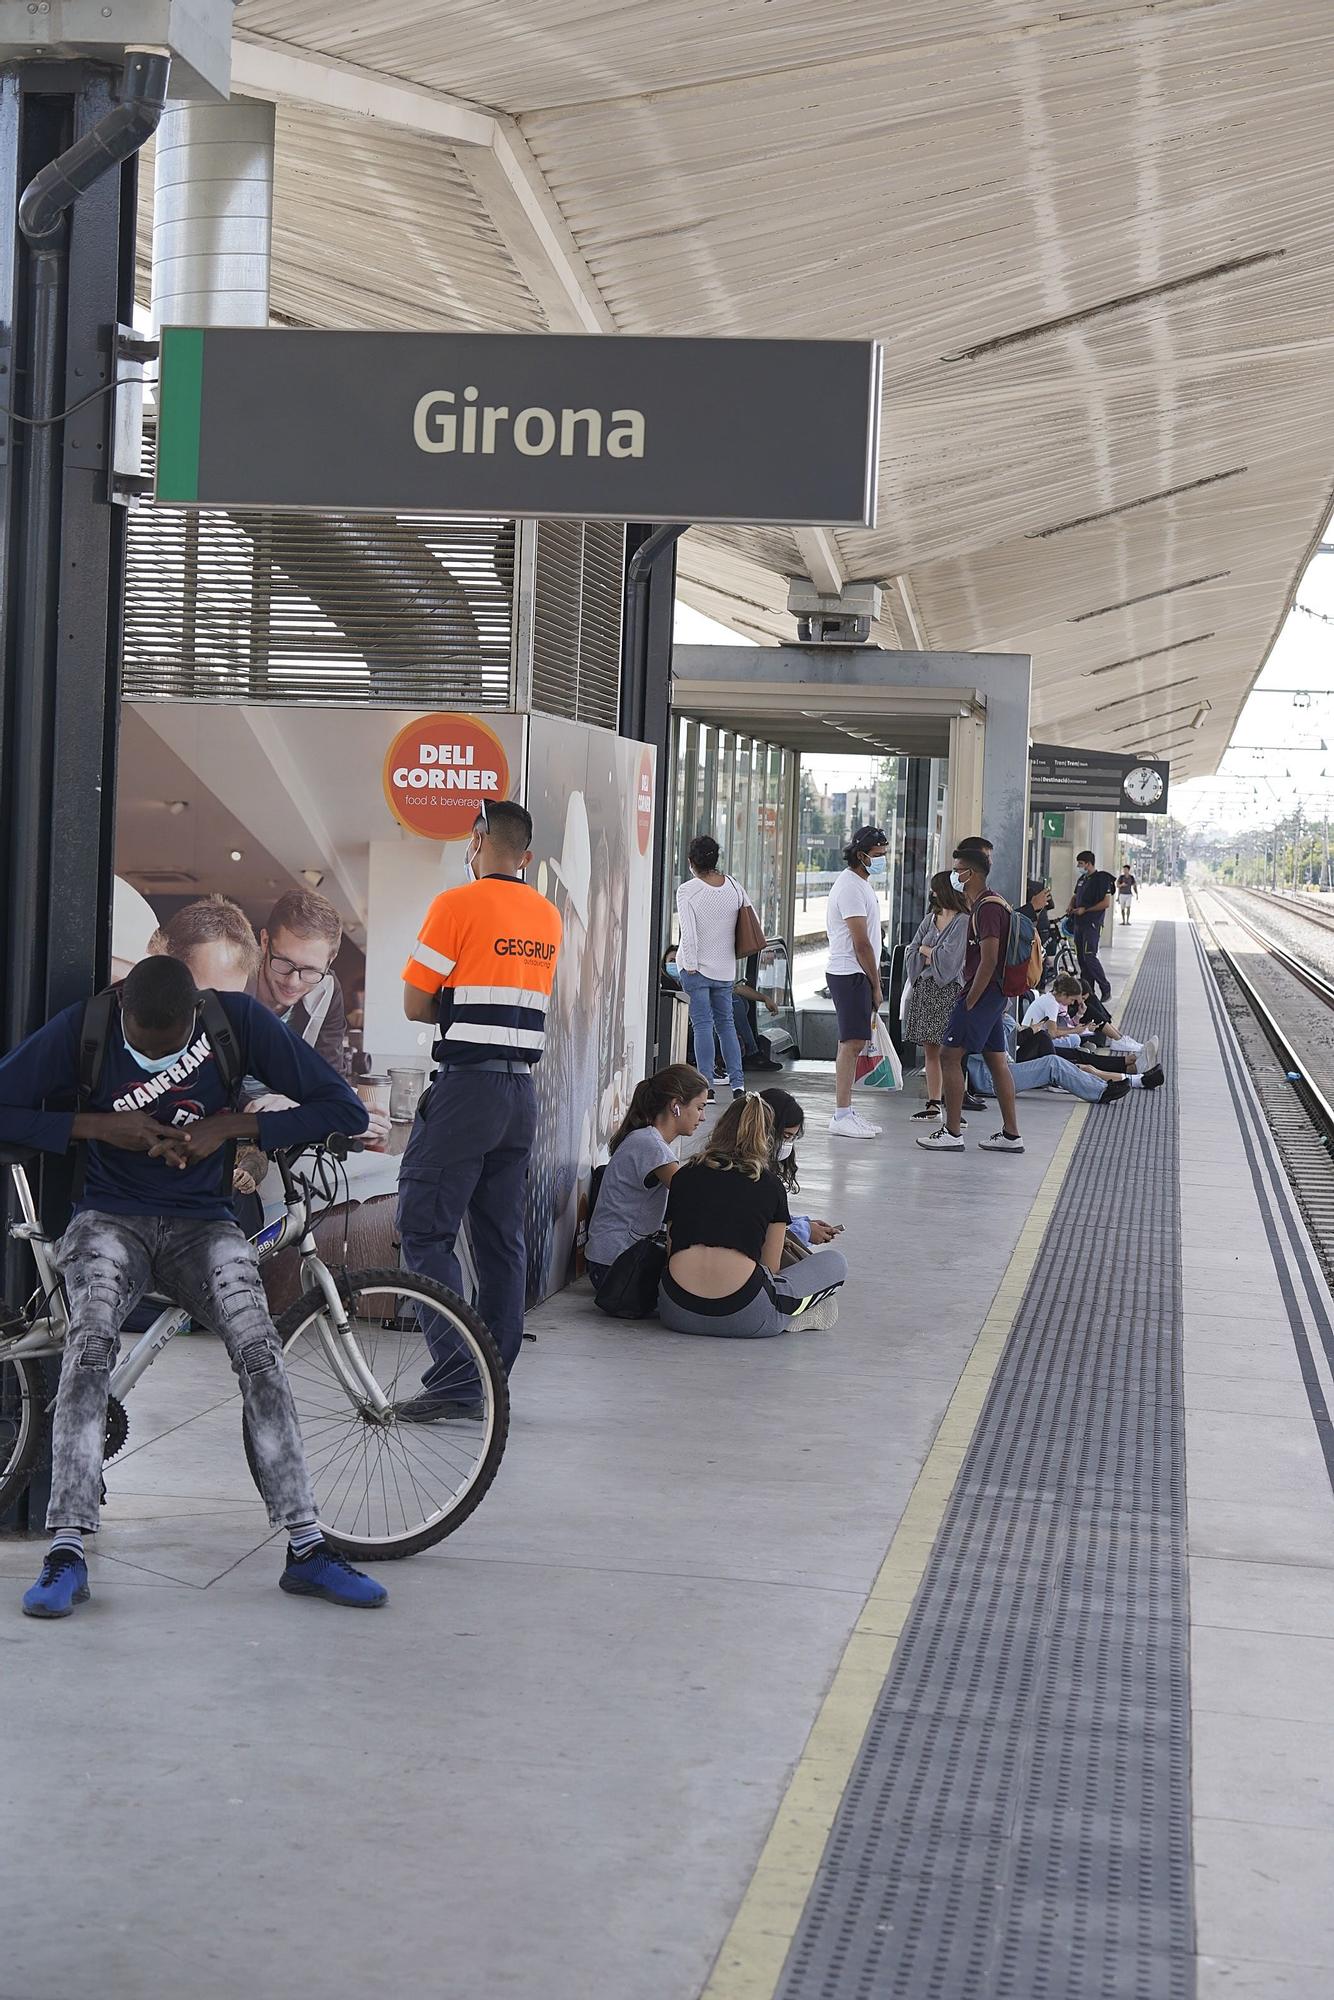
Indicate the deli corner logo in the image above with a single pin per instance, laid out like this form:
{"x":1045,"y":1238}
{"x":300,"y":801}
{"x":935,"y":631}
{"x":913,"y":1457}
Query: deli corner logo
{"x":439,"y":770}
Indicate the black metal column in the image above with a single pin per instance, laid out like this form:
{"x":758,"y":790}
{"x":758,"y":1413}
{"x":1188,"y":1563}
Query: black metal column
{"x":912,"y":874}
{"x":61,"y":572}
{"x":646,"y":700}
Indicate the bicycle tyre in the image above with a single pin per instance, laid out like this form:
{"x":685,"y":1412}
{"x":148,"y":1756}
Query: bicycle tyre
{"x":407,"y":1284}
{"x":20,"y":1385}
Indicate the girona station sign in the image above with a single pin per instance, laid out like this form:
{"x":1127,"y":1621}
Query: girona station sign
{"x":587,"y":426}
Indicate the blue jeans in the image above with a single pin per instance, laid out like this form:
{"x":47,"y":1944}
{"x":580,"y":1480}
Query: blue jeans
{"x":711,"y":1020}
{"x":468,"y":1155}
{"x":1033,"y":1075}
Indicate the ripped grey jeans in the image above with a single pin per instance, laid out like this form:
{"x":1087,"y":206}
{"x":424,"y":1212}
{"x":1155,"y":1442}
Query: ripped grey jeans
{"x":108,"y":1262}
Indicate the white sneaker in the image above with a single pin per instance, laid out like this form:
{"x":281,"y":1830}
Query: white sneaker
{"x":942,"y":1140}
{"x":817,"y":1317}
{"x":851,"y":1125}
{"x":1001,"y":1142}
{"x":1148,"y":1056}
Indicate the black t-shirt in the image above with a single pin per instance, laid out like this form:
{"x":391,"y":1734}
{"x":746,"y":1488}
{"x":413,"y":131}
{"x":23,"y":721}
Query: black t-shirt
{"x":724,"y":1210}
{"x":1092,"y":889}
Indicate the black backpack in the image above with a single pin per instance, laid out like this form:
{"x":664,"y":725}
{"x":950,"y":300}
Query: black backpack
{"x":95,"y":1032}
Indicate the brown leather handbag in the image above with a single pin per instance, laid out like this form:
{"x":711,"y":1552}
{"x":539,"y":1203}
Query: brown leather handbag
{"x":750,"y":936}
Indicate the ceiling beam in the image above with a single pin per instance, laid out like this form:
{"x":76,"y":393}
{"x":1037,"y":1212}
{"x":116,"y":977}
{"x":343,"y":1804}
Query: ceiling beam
{"x":491,"y":151}
{"x":824,"y":566}
{"x":514,"y":192}
{"x":901,"y":605}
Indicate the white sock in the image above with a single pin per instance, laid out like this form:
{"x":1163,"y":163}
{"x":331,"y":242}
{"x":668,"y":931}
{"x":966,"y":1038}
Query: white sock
{"x":67,"y":1538}
{"x":1135,"y":1082}
{"x":843,"y":1110}
{"x":305,"y":1538}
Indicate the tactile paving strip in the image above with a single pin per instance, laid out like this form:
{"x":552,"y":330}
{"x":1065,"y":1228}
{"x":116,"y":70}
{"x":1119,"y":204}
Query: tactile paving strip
{"x":1017,"y":1826}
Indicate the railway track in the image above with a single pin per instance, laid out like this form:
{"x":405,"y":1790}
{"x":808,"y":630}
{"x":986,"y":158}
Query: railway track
{"x":1296,"y":906}
{"x":1299,"y":1114}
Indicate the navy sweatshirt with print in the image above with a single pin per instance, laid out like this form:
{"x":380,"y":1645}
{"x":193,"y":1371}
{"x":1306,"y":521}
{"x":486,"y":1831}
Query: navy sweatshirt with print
{"x":39,"y":1090}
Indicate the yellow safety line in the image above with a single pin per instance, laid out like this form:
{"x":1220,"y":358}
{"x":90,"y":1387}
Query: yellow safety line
{"x":753,"y":1954}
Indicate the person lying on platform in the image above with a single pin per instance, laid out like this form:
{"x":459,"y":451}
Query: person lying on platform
{"x":632,"y":1191}
{"x":1055,"y":1072}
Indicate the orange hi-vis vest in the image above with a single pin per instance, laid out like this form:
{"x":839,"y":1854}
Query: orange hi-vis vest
{"x":487,"y":950}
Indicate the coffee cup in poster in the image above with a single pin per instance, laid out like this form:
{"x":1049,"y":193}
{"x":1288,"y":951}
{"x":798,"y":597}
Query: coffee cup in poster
{"x":439,"y":770}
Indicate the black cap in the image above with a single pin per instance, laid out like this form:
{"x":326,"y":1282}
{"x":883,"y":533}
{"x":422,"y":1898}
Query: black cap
{"x":867,"y":837}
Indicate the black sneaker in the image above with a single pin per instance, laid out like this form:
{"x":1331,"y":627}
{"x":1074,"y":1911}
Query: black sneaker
{"x":762,"y":1065}
{"x":438,"y":1410}
{"x":1117,"y":1088}
{"x":737,"y":1095}
{"x":973,"y":1103}
{"x":1153,"y":1079}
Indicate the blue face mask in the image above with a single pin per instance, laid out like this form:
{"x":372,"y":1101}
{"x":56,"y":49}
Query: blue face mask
{"x":153,"y":1065}
{"x":879,"y":867}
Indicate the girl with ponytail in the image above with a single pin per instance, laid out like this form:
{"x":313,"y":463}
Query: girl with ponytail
{"x":632,"y":1198}
{"x":727,"y":1218}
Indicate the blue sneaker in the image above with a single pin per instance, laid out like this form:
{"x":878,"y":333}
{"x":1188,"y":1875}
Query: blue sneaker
{"x":62,"y":1584}
{"x":324,"y":1573}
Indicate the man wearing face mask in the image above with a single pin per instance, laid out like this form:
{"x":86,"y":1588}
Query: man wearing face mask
{"x":852,"y":919}
{"x":482,"y":971}
{"x":1088,"y":906}
{"x":156,"y":1131}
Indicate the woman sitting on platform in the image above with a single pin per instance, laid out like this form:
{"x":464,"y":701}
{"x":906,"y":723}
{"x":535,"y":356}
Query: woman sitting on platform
{"x":727,"y":1220}
{"x":632,"y":1199}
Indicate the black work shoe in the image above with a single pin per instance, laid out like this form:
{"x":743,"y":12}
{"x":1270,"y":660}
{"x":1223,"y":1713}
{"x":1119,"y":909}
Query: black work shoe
{"x":763,"y":1064}
{"x":438,"y":1410}
{"x":1153,"y":1079}
{"x":1117,"y":1088}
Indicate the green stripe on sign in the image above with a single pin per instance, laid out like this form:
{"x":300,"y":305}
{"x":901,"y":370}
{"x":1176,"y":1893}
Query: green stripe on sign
{"x":179,"y":388}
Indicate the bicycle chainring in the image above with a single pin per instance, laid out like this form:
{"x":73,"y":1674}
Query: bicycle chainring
{"x":118,"y":1429}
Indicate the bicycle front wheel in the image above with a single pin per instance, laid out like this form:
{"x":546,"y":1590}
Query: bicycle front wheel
{"x":395,"y":1476}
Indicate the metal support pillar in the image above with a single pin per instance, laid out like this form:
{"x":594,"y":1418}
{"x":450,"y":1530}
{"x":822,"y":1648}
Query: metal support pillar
{"x":915,"y":857}
{"x":646,"y":699}
{"x":66,"y":282}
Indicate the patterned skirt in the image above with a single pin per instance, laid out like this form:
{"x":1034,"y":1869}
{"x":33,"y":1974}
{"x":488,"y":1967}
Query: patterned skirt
{"x":929,"y":1008}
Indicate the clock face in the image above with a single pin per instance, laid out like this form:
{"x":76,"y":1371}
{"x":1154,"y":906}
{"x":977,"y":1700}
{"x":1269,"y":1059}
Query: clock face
{"x":1144,"y":785}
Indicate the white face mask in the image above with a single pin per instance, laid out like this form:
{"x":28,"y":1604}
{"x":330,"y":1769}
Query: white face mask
{"x":153,"y":1065}
{"x":956,"y":881}
{"x":787,"y":1149}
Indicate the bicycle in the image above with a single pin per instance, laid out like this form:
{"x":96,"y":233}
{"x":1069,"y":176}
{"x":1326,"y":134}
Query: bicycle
{"x":384,"y":1489}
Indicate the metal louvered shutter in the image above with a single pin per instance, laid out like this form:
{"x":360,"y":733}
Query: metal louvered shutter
{"x":412,"y":611}
{"x":577,"y":586}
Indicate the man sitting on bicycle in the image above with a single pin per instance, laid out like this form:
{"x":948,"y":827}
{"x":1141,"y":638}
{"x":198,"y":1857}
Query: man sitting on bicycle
{"x":154,"y":1213}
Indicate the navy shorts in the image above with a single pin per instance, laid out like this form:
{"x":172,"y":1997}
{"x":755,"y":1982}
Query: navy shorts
{"x":851,"y":995}
{"x":978,"y":1029}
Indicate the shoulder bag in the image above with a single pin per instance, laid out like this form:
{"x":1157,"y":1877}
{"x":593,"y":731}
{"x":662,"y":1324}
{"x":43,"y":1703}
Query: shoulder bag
{"x":750,"y":936}
{"x":630,"y":1288}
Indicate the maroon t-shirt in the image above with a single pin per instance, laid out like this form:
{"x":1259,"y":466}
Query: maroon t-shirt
{"x":990,"y":918}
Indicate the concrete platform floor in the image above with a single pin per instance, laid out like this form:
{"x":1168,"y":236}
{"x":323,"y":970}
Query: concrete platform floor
{"x":546,"y":1769}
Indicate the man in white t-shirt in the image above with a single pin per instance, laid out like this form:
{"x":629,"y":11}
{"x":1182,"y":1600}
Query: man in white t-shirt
{"x":852,"y":920}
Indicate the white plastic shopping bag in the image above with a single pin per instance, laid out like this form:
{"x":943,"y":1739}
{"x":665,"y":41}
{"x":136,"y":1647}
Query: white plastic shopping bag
{"x":878,"y":1065}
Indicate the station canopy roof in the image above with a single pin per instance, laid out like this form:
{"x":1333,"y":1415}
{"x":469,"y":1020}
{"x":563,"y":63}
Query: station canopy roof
{"x":1096,"y":239}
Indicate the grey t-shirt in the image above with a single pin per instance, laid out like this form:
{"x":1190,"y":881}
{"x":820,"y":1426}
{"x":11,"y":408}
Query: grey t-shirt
{"x":626,"y":1208}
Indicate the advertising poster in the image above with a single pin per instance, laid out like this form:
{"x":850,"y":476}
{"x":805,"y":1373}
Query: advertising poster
{"x":591,"y":796}
{"x":370,"y":812}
